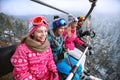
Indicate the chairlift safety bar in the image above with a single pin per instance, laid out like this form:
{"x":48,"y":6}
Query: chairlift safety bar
{"x":72,"y":73}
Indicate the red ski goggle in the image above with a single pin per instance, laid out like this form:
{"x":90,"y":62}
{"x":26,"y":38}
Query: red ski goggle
{"x":39,"y":20}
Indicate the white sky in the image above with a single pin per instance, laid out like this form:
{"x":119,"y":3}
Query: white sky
{"x":26,"y":7}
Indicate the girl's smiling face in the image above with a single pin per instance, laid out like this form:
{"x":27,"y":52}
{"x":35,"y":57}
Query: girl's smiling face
{"x":40,"y":34}
{"x":60,"y":30}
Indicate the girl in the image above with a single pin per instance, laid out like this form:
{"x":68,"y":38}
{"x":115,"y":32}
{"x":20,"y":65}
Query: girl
{"x":33,"y":58}
{"x":70,"y":38}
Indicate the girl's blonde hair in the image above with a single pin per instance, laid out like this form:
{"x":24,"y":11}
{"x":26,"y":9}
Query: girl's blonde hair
{"x":24,"y":38}
{"x":69,"y":27}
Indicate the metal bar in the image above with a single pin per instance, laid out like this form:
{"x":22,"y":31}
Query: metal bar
{"x":81,"y":57}
{"x":40,"y":2}
{"x":91,"y":9}
{"x":74,"y":69}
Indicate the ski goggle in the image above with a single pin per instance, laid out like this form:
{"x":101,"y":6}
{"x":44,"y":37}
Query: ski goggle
{"x":81,"y":18}
{"x":39,"y":20}
{"x":58,"y":23}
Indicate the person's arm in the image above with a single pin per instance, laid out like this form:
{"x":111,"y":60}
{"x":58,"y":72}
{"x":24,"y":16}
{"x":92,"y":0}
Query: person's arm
{"x":78,"y":41}
{"x":20,"y":63}
{"x":85,"y":33}
{"x":79,"y":32}
{"x":52,"y":66}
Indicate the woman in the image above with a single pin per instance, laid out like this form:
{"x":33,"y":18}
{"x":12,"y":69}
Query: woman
{"x":33,"y":58}
{"x":64,"y":64}
{"x":70,"y":38}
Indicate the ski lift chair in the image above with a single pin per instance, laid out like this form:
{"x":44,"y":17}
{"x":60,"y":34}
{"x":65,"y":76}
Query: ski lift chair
{"x":5,"y":55}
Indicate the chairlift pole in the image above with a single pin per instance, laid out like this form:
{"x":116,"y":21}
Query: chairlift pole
{"x":45,"y":4}
{"x":74,"y":69}
{"x":91,"y":9}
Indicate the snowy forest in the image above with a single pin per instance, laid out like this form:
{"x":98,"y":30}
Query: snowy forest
{"x":11,"y":29}
{"x":106,"y":46}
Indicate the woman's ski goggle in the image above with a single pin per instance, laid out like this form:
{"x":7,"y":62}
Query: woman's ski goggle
{"x":59,"y":23}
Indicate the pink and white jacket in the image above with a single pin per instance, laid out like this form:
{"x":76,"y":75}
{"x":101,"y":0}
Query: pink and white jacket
{"x":69,"y":41}
{"x":29,"y":65}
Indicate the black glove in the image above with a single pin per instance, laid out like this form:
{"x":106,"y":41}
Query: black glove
{"x":86,"y":33}
{"x":87,"y":45}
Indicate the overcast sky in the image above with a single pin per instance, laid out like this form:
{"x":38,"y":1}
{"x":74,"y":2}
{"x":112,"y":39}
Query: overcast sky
{"x":26,"y":7}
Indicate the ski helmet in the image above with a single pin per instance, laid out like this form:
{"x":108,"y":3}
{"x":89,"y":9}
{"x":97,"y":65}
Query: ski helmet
{"x":59,"y":22}
{"x":81,"y":18}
